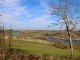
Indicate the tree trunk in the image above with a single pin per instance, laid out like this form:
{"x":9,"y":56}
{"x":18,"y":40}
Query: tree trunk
{"x":71,"y":46}
{"x":0,"y":43}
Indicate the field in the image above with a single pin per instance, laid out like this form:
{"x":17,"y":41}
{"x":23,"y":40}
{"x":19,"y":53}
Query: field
{"x":42,"y":49}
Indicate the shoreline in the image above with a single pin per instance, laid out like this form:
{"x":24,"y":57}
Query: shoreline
{"x":62,"y":38}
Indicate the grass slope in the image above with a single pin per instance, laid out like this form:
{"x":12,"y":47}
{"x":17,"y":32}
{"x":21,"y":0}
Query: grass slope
{"x":41,"y":49}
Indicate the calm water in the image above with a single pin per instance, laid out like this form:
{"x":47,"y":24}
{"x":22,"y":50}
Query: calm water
{"x":65,"y":41}
{"x":15,"y":34}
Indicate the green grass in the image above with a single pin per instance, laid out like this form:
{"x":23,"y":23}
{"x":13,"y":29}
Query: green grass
{"x":41,"y":49}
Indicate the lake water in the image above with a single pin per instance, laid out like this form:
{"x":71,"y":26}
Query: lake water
{"x":15,"y":34}
{"x":65,"y":41}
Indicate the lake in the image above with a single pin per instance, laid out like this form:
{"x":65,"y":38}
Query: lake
{"x":65,"y":41}
{"x":15,"y":34}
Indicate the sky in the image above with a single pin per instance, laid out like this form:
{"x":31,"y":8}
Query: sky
{"x":26,"y":14}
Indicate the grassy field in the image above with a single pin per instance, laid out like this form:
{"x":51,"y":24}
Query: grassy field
{"x":41,"y":49}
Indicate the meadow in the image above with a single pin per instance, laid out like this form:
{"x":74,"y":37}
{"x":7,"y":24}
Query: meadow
{"x":42,"y":49}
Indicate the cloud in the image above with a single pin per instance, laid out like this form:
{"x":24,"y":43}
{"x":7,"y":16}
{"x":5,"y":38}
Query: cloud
{"x":41,"y":21}
{"x":12,"y":11}
{"x":10,"y":19}
{"x":25,"y":17}
{"x":43,"y":3}
{"x":13,"y":7}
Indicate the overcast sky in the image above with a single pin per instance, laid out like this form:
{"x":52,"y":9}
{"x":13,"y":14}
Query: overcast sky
{"x":27,"y":14}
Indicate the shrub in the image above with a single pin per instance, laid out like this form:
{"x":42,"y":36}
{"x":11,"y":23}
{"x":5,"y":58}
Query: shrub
{"x":41,"y":37}
{"x":77,"y":46}
{"x":59,"y":44}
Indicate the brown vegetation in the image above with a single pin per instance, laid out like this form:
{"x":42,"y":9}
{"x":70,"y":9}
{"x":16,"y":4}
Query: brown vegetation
{"x":23,"y":56}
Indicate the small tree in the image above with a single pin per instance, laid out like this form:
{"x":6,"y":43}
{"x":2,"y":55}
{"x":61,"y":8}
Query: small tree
{"x":2,"y":36}
{"x":67,"y":12}
{"x":10,"y":37}
{"x":3,"y":41}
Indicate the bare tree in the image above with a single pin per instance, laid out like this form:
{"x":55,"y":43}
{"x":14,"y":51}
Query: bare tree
{"x":1,"y":31}
{"x":67,"y":12}
{"x":2,"y":36}
{"x":3,"y":41}
{"x":10,"y":37}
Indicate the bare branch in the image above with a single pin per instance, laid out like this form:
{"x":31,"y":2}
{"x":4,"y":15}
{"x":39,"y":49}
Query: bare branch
{"x":68,"y":13}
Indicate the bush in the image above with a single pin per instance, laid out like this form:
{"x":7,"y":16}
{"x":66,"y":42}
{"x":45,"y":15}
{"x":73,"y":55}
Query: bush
{"x":77,"y":46}
{"x":41,"y":37}
{"x":59,"y":44}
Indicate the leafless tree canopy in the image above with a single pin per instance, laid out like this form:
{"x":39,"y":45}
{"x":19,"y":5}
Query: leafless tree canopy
{"x":67,"y":11}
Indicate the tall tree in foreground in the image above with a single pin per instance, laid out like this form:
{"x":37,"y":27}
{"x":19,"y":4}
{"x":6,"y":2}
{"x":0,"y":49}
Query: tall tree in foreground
{"x":68,"y":14}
